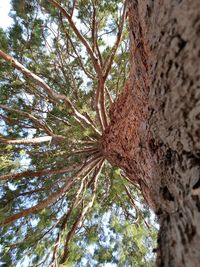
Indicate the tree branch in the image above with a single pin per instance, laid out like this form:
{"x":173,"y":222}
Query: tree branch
{"x":109,"y":96}
{"x":79,"y":36}
{"x":35,"y":120}
{"x":60,"y":97}
{"x":94,"y":30}
{"x":81,"y":215}
{"x":90,"y":75}
{"x":94,"y":33}
{"x":100,"y":105}
{"x":33,"y":141}
{"x":108,"y":62}
{"x":16,"y":176}
{"x":43,"y":204}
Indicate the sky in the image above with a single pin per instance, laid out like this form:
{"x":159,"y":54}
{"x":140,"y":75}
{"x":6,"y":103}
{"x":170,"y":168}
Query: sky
{"x":5,"y":20}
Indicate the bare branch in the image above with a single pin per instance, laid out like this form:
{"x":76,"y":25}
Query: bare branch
{"x":12,"y":121}
{"x":33,"y":141}
{"x":55,"y":251}
{"x":110,"y":99}
{"x":60,"y":119}
{"x":98,"y":52}
{"x":90,"y":75}
{"x":80,"y":36}
{"x":16,"y":176}
{"x":100,"y":105}
{"x":86,"y":150}
{"x":73,"y":7}
{"x":59,"y":97}
{"x":35,"y":120}
{"x":130,"y":180}
{"x":84,"y":169}
{"x":108,"y":62}
{"x":95,"y":46}
{"x":94,"y":32}
{"x":81,"y":215}
{"x":65,"y":218}
{"x":41,"y":205}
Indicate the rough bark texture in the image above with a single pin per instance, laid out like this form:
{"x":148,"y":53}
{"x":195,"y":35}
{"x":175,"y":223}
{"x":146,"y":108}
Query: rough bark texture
{"x":154,"y":134}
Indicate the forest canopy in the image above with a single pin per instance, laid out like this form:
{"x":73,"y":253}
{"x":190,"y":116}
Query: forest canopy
{"x":63,"y":64}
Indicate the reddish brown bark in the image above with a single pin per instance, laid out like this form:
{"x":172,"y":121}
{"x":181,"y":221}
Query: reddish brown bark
{"x":154,"y":131}
{"x":126,"y":140}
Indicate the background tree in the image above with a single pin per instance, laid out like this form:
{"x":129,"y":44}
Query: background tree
{"x":63,"y":66}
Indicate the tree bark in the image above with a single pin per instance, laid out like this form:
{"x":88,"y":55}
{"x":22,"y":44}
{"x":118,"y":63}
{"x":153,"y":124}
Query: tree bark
{"x":154,"y":133}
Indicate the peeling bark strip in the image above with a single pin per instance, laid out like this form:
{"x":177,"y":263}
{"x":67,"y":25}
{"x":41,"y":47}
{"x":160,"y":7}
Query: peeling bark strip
{"x":154,"y":132}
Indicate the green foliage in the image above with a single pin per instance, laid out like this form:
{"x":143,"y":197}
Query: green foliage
{"x":113,"y":230}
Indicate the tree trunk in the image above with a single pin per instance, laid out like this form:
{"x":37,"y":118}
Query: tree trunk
{"x":154,"y":133}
